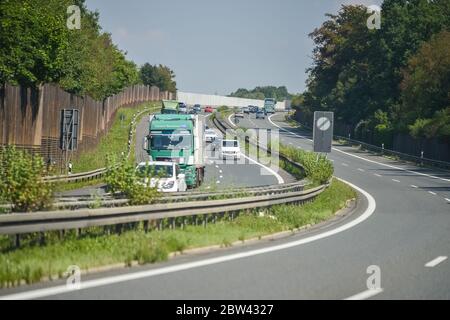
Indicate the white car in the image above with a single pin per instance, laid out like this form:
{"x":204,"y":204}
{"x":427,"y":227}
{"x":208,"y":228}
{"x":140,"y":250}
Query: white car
{"x":230,"y":149}
{"x":210,"y":135}
{"x":165,"y":176}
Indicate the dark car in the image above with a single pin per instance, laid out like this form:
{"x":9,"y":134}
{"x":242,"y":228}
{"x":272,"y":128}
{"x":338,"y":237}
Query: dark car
{"x":253,"y":109}
{"x":260,"y":114}
{"x":197,"y":108}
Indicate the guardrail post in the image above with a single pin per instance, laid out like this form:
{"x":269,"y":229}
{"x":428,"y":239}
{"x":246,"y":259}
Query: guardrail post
{"x":17,"y":240}
{"x":172,"y":223}
{"x":421,"y":157}
{"x":146,"y":226}
{"x":41,"y":238}
{"x":382,"y":148}
{"x":205,"y":220}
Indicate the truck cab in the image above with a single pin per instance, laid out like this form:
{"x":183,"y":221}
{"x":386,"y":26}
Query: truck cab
{"x":269,"y":105}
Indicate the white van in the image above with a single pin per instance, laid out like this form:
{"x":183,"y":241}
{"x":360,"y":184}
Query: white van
{"x":230,"y":149}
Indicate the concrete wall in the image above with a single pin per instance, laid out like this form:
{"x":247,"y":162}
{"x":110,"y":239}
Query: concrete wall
{"x":216,"y":101}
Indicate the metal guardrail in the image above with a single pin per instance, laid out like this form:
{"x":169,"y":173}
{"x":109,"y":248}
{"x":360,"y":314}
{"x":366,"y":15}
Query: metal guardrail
{"x":98,"y":173}
{"x":23,"y":223}
{"x":109,"y":201}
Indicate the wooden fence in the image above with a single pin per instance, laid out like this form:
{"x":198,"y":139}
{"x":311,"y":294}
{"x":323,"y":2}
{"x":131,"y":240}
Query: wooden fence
{"x":30,"y":118}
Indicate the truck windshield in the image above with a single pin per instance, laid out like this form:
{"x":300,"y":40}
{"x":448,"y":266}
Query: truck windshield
{"x":172,"y":141}
{"x":160,"y":171}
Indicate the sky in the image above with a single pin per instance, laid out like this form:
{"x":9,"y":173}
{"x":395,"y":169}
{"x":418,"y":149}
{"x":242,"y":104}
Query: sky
{"x":218,"y":46}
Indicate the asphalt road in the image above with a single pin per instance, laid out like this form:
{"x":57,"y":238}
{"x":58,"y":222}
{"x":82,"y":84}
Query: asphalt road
{"x":405,"y":236}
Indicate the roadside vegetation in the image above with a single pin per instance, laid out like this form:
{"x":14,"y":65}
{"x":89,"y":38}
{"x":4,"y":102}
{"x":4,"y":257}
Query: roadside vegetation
{"x":21,"y":180}
{"x":97,"y":247}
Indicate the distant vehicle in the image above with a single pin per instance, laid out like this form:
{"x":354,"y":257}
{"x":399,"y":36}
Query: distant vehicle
{"x":209,"y":109}
{"x":239,"y":114}
{"x":269,"y":105}
{"x":230,"y":149}
{"x":253,"y":109}
{"x":197,"y":108}
{"x":260,"y":114}
{"x":210,"y":135}
{"x":192,"y":111}
{"x":165,"y":176}
{"x":182,"y":108}
{"x":246,"y":110}
{"x":170,"y":107}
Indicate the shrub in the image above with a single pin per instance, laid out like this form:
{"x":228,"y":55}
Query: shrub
{"x":122,"y":177}
{"x":317,"y":167}
{"x":21,"y":180}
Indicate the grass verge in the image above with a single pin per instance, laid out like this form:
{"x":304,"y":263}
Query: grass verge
{"x":96,"y":248}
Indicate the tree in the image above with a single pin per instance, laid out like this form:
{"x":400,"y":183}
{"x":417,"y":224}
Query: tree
{"x":160,"y":76}
{"x":261,"y":93}
{"x":426,"y":88}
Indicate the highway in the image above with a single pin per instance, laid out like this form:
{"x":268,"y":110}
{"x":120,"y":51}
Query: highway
{"x":402,"y":226}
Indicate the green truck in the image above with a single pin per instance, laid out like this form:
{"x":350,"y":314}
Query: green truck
{"x":178,"y":138}
{"x":170,"y":107}
{"x":269,"y":105}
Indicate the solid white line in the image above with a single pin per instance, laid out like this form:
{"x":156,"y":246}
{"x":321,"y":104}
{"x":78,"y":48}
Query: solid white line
{"x":431,"y":192}
{"x":230,"y":121}
{"x":435,"y":262}
{"x":395,"y":180}
{"x":277,"y":176}
{"x":361,"y":158}
{"x":365,"y":294}
{"x":39,"y":293}
{"x":415,"y":187}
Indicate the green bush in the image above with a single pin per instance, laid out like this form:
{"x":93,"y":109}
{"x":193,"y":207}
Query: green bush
{"x":121,"y":176}
{"x":317,"y":167}
{"x":21,"y":181}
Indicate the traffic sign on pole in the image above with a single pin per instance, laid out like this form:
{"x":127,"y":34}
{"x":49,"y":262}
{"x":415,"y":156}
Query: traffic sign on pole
{"x":323,"y":131}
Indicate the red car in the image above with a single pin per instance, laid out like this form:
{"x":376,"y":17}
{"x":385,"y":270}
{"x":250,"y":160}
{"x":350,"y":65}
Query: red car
{"x":209,"y":109}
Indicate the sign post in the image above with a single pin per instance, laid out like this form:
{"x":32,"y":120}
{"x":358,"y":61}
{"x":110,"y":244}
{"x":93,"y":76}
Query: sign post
{"x":323,"y":131}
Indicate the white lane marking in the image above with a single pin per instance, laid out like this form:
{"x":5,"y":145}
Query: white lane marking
{"x":377,"y":175}
{"x":39,"y":293}
{"x":362,"y":170}
{"x":431,"y":192}
{"x":414,"y":186}
{"x":448,"y":200}
{"x":221,"y":177}
{"x":435,"y":262}
{"x":395,"y":180}
{"x":217,"y":166}
{"x":277,"y":176}
{"x":365,"y":294}
{"x":344,"y":164}
{"x":220,"y":171}
{"x":361,"y":158}
{"x":229,"y":120}
{"x":218,"y":181}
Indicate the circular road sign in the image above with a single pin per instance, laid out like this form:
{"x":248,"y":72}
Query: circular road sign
{"x":323,"y":123}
